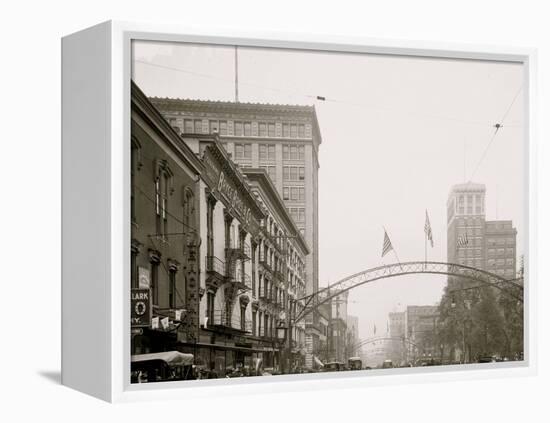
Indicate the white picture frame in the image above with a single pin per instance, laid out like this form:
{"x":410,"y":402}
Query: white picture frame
{"x":96,"y":65}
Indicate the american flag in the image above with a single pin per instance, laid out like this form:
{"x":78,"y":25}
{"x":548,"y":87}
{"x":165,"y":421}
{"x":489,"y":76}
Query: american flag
{"x":428,"y":229}
{"x":462,"y":240}
{"x":386,"y":247}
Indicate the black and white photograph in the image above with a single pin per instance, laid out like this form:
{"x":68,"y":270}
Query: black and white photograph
{"x":300,"y":212}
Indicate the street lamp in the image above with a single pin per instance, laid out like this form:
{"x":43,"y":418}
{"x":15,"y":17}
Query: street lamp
{"x":281,"y":337}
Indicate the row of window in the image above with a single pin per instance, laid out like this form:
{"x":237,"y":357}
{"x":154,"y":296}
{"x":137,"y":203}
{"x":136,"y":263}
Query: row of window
{"x":470,"y":210}
{"x":267,"y":152}
{"x":298,"y":214}
{"x":469,"y":199}
{"x":500,"y":262}
{"x":294,"y":173}
{"x":501,"y":241}
{"x":241,"y":128}
{"x":294,"y":193}
{"x":493,"y":251}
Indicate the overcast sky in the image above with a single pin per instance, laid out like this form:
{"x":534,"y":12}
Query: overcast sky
{"x":397,"y":133}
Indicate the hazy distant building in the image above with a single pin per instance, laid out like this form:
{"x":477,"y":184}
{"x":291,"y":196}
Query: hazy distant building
{"x":466,"y":217}
{"x":352,"y":339}
{"x":486,"y":245}
{"x":397,"y":336}
{"x":421,"y":330}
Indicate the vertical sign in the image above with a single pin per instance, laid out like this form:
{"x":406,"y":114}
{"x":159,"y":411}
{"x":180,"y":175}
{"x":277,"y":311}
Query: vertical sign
{"x":141,"y":307}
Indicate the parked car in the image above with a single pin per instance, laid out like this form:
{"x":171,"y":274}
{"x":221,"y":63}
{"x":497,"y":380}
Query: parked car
{"x":162,"y":366}
{"x":387,"y":364}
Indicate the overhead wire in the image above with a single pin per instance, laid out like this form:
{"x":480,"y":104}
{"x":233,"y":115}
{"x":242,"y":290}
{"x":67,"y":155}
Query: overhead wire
{"x":317,"y":97}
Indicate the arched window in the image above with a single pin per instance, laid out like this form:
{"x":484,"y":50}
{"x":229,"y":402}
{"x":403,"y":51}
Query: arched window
{"x":163,"y":189}
{"x":135,"y":165}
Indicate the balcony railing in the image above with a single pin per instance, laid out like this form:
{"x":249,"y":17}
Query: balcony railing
{"x":215,"y":266}
{"x":242,"y":280}
{"x":231,"y":323}
{"x":264,"y":263}
{"x":279,"y":275}
{"x":265,"y":296}
{"x":238,"y":253}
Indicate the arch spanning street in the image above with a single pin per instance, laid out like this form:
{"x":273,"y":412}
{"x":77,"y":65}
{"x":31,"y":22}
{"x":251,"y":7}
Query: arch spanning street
{"x":373,"y":339}
{"x":513,"y":287}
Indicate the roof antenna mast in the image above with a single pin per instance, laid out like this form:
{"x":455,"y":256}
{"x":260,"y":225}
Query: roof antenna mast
{"x":236,"y":75}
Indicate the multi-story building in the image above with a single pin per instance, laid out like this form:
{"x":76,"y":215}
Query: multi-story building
{"x":281,"y":262}
{"x":282,"y":139}
{"x":488,"y":245}
{"x":338,"y":326}
{"x":219,"y":252}
{"x":421,"y":330}
{"x":164,"y":202}
{"x":352,"y":337}
{"x":466,"y":218}
{"x":397,"y":336}
{"x":500,"y":248}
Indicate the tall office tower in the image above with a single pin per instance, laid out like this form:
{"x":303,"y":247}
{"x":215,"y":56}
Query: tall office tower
{"x":283,"y":139}
{"x":474,"y":241}
{"x":466,"y":225}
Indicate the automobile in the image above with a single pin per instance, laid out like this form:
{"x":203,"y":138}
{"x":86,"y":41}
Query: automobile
{"x":488,"y":359}
{"x":333,"y":366}
{"x":162,"y":366}
{"x":387,"y":364}
{"x":355,"y":363}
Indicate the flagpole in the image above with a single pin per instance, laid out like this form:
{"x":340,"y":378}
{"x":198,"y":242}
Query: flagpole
{"x":393,"y":249}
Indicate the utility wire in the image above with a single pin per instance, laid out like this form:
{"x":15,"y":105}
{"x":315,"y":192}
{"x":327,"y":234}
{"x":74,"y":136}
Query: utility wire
{"x":497,"y":127}
{"x":317,"y":98}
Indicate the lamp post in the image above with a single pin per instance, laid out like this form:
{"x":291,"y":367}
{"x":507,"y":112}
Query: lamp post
{"x":283,"y":339}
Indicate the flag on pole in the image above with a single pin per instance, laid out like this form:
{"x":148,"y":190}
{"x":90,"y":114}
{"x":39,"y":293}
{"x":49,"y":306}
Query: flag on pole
{"x":386,"y":247}
{"x":165,"y":323}
{"x":462,"y":240}
{"x":428,"y":230}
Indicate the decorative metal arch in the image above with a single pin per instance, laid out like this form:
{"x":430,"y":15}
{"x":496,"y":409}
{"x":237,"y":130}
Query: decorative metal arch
{"x":324,"y":295}
{"x":382,"y":338}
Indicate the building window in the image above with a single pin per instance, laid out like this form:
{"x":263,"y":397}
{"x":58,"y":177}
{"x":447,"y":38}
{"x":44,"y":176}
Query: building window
{"x":134,"y":282}
{"x":188,"y":126}
{"x":293,"y":173}
{"x":301,"y":131}
{"x":262,"y":129}
{"x":238,"y":129}
{"x":155,"y":262}
{"x":254,"y":323}
{"x":247,"y":129}
{"x":243,"y":317}
{"x":210,"y":307}
{"x":223,"y":127}
{"x":135,"y":164}
{"x":293,"y":131}
{"x":172,"y":288}
{"x":214,"y":126}
{"x":286,"y":195}
{"x":271,"y":129}
{"x":267,"y":152}
{"x":243,"y":151}
{"x":162,"y":182}
{"x":286,"y":130}
{"x":198,"y":126}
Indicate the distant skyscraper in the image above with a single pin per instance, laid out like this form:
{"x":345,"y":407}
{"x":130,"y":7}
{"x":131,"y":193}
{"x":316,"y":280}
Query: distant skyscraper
{"x":466,"y":219}
{"x":473,"y":241}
